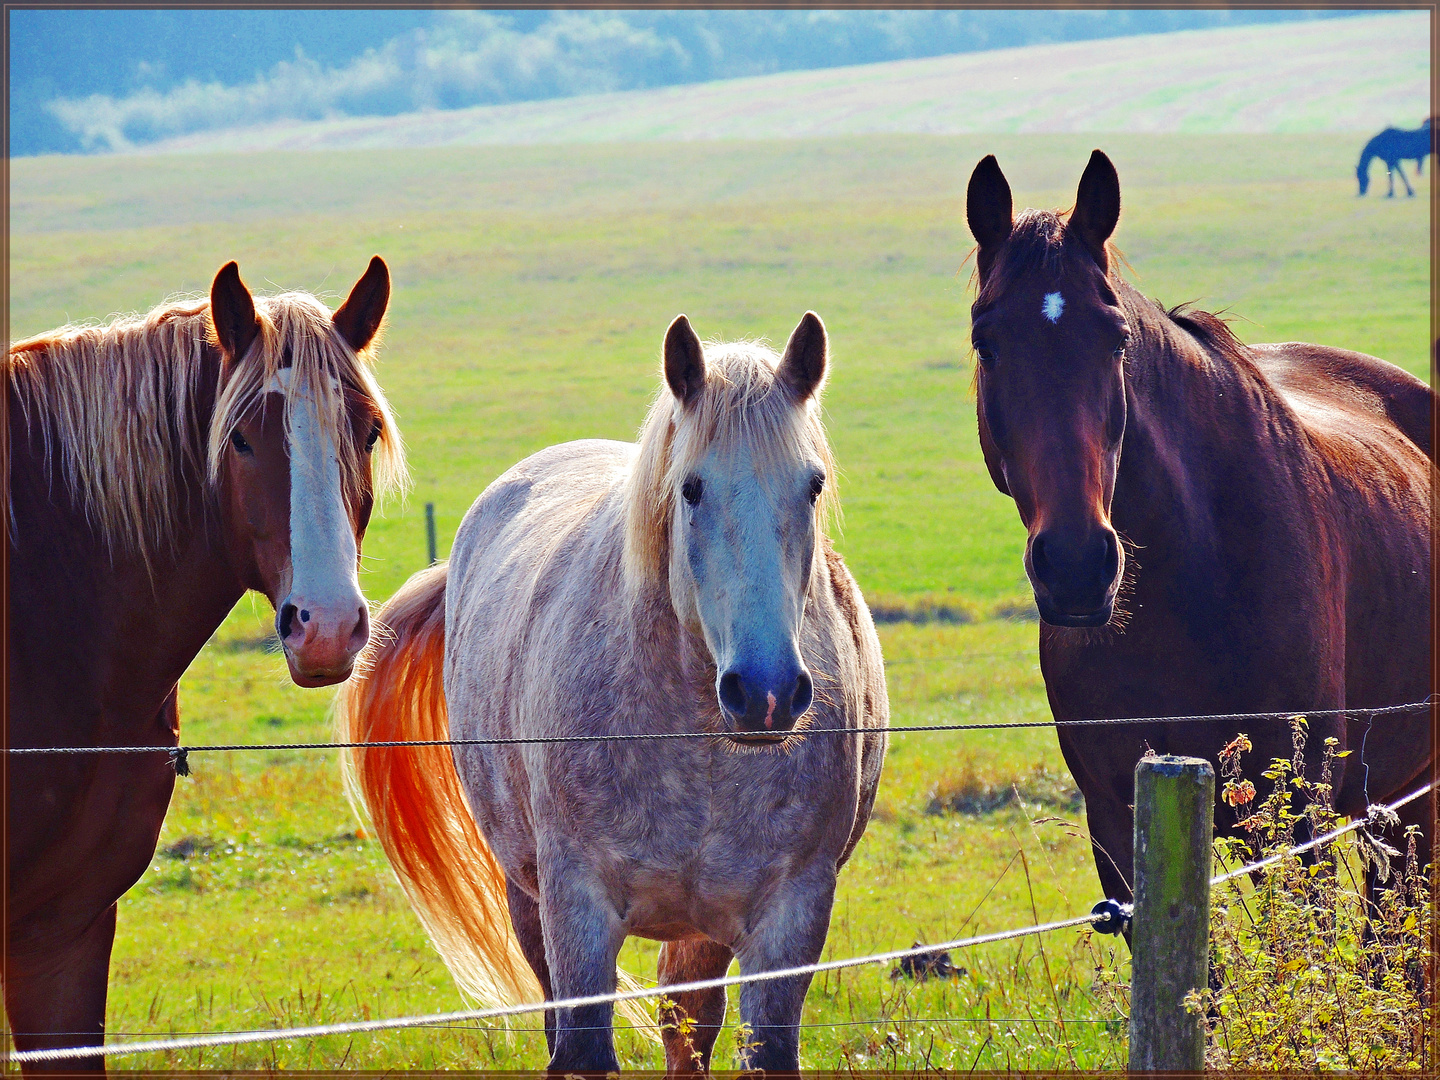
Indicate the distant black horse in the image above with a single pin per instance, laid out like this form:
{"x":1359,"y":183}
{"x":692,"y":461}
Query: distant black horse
{"x":1392,"y":146}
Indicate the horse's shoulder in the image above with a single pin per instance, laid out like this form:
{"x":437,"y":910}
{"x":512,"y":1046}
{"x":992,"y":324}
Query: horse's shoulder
{"x":1350,"y":385}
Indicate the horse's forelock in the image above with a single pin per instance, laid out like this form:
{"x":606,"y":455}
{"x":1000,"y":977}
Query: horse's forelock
{"x":297,"y":328}
{"x":742,"y":403}
{"x":1039,"y":242}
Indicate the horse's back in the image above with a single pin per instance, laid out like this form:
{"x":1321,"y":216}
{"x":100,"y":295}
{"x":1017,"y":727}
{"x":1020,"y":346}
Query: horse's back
{"x":1370,"y":422}
{"x":515,"y":525}
{"x":1339,"y":388}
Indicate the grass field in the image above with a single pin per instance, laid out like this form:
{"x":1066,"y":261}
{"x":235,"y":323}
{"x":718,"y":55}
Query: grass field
{"x":532,"y":287}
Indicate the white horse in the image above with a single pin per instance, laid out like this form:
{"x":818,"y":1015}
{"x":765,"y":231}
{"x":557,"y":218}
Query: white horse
{"x":682,"y":585}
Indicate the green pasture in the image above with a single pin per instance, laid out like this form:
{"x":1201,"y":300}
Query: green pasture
{"x":532,"y":287}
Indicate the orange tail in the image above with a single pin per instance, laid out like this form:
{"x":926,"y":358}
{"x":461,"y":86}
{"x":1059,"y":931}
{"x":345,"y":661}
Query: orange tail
{"x":413,"y":798}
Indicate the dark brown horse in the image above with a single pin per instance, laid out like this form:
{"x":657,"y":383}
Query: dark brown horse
{"x":159,"y":467}
{"x":1213,"y":527}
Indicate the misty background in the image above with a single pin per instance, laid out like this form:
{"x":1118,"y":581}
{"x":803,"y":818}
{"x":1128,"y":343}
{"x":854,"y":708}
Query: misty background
{"x":88,"y":81}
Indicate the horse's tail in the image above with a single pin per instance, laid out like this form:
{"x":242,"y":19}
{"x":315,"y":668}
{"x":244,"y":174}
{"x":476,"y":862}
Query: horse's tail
{"x":413,"y":798}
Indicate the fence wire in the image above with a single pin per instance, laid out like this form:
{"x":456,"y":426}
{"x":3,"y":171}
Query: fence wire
{"x":1375,"y":815}
{"x":181,"y":752}
{"x":355,"y":1027}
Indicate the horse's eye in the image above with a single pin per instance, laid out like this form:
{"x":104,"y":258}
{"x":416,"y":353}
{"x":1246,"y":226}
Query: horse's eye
{"x":984,"y":353}
{"x":817,"y":485}
{"x":238,"y":441}
{"x":373,"y":437}
{"x":691,"y":490}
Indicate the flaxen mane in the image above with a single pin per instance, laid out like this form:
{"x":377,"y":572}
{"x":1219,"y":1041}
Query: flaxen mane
{"x":742,"y":404}
{"x":116,"y":406}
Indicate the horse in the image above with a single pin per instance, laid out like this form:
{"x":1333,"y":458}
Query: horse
{"x":1392,"y":146}
{"x":160,"y":466}
{"x":685,"y":585}
{"x":1212,"y":527}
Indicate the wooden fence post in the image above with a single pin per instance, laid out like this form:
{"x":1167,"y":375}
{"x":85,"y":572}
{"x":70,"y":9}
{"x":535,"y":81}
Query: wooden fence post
{"x":430,"y":531}
{"x":1170,"y":936}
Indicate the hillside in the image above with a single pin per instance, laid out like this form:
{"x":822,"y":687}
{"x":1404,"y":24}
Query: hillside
{"x":1350,"y":75}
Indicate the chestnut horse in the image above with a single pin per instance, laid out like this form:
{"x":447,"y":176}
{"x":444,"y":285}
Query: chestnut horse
{"x":1213,"y":527}
{"x":160,"y":466}
{"x":684,"y":585}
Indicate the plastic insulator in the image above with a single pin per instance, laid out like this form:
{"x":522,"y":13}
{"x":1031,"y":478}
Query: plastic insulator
{"x":1117,"y":916}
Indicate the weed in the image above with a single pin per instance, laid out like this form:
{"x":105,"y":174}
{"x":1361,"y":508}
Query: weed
{"x":967,"y":789}
{"x":1305,"y":972}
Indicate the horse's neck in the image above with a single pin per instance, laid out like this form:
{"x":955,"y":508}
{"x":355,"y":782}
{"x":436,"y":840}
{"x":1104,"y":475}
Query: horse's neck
{"x":658,"y":641}
{"x":1192,"y":414}
{"x":124,"y":626}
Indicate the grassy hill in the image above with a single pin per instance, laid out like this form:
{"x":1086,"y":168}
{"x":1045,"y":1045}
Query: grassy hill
{"x":1356,"y":74}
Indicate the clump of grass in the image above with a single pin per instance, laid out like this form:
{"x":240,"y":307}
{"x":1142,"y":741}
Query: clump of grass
{"x":1017,"y":609}
{"x":1305,"y":972}
{"x":946,"y":607}
{"x":966,"y":790}
{"x":923,"y":608}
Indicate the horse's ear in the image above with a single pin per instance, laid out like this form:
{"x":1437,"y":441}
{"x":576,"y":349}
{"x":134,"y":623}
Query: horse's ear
{"x":802,"y":368}
{"x":232,"y":312}
{"x":989,"y":209}
{"x":358,"y":319}
{"x":1097,"y":206}
{"x":684,"y":361}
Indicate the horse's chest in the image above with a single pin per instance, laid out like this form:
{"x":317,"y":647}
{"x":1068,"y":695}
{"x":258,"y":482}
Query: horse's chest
{"x":694,"y":836}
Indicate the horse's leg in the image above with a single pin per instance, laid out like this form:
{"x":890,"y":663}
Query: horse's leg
{"x":790,"y":933}
{"x":688,"y":961}
{"x":63,"y":993}
{"x":583,"y":935}
{"x":1112,"y":843}
{"x":525,"y":918}
{"x":1390,"y":175}
{"x":1400,"y":168}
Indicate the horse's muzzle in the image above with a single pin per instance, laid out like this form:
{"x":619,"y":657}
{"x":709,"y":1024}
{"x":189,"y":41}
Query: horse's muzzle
{"x":321,"y":643}
{"x":764,"y":706}
{"x":1075,"y":582}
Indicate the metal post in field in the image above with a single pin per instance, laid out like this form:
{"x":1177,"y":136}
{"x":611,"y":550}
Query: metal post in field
{"x":1170,"y":935}
{"x":430,"y":531}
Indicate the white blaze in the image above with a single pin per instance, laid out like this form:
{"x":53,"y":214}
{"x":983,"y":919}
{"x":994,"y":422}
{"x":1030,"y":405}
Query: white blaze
{"x":1053,"y":306}
{"x":322,"y":541}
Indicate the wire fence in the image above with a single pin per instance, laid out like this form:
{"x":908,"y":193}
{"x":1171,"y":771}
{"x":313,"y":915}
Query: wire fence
{"x":356,"y":1027}
{"x":181,"y":753}
{"x":1374,"y":815}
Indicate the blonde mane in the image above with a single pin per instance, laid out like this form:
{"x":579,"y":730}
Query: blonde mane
{"x":116,"y":406}
{"x":741,"y":403}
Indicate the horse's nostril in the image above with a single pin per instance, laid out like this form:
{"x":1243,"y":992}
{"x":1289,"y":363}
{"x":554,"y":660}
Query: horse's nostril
{"x":804,"y":694}
{"x":1038,"y":560}
{"x":305,"y":616}
{"x":361,"y":634}
{"x":732,"y":694}
{"x":287,"y":620}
